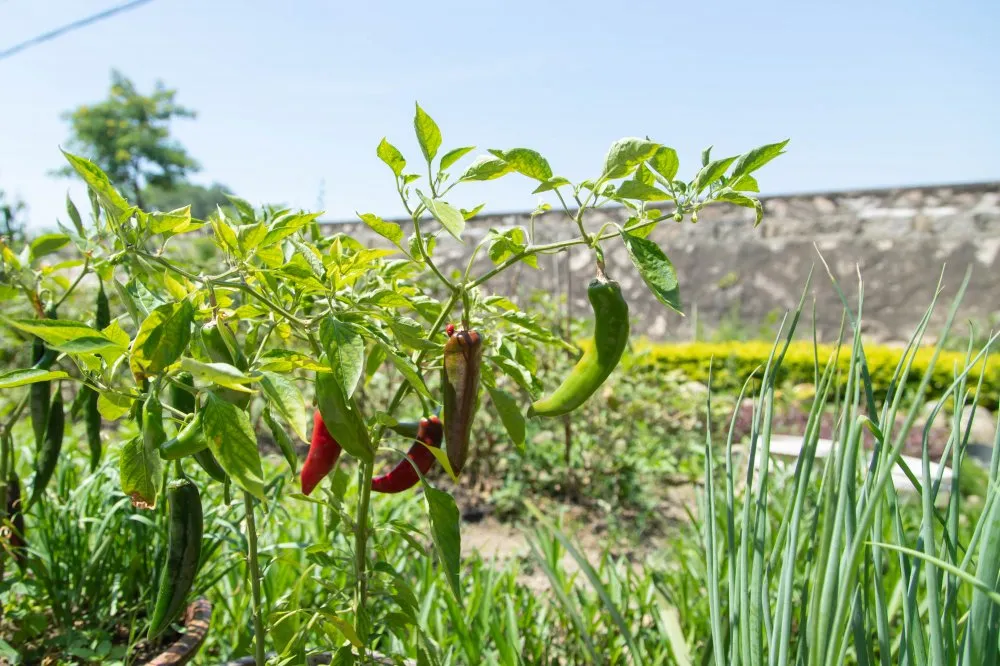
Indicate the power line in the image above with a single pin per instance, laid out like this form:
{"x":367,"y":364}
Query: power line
{"x":69,"y":27}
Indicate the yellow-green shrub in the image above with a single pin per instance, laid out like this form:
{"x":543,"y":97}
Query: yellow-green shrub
{"x":734,"y":361}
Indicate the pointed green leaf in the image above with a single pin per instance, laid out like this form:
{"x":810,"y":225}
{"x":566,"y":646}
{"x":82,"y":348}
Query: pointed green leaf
{"x":625,"y":155}
{"x":345,"y":352}
{"x":453,"y":156}
{"x":175,"y":219}
{"x":47,"y":244}
{"x":655,"y":268}
{"x":113,"y":406}
{"x":74,"y":215}
{"x":139,"y":469}
{"x":758,"y":157}
{"x":409,"y":371}
{"x":487,"y":167}
{"x":286,"y":399}
{"x":444,"y":516}
{"x":162,"y":337}
{"x":510,"y":415}
{"x":389,"y":154}
{"x":527,"y":162}
{"x":232,"y":440}
{"x":428,"y":134}
{"x":285,"y":226}
{"x":665,"y":162}
{"x":745,"y":183}
{"x":633,"y":189}
{"x":222,"y":374}
{"x":65,"y":336}
{"x":738,"y":199}
{"x":388,"y":230}
{"x":16,"y":378}
{"x":711,"y":173}
{"x":99,"y":184}
{"x":451,"y":219}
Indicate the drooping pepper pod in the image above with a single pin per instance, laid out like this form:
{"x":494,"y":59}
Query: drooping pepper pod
{"x":403,"y":476}
{"x":611,"y":331}
{"x":48,"y":456}
{"x":41,"y":392}
{"x":323,"y":454}
{"x":91,"y":415}
{"x":463,"y":353}
{"x":183,"y":552}
{"x":190,"y":440}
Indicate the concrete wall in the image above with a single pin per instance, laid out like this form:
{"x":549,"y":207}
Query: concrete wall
{"x":900,"y":239}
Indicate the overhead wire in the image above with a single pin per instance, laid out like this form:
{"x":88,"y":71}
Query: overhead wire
{"x":69,"y":27}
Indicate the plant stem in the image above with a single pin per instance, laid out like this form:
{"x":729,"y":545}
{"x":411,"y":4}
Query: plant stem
{"x":361,"y":554}
{"x":86,"y":267}
{"x":258,"y":622}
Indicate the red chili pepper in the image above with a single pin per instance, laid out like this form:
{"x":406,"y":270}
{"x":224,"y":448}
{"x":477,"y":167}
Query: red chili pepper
{"x":450,"y":330}
{"x":323,"y":453}
{"x":403,"y":476}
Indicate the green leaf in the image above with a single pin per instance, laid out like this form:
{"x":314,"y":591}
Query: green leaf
{"x":66,"y":336}
{"x":285,"y":226}
{"x":113,"y":406}
{"x":627,"y":154}
{"x":16,"y":378}
{"x":487,"y":167}
{"x":345,"y":352}
{"x":758,"y":157}
{"x":428,"y":134}
{"x":162,"y":337}
{"x":343,"y":418}
{"x":410,"y":333}
{"x":232,"y":440}
{"x":738,"y":199}
{"x":510,"y":415}
{"x":711,"y":173}
{"x":706,"y":156}
{"x":99,"y":184}
{"x":139,"y":468}
{"x":286,"y":399}
{"x":643,"y":231}
{"x":243,"y":208}
{"x":388,"y":230}
{"x":644,"y":175}
{"x":389,"y":154}
{"x":444,"y":516}
{"x":74,"y":215}
{"x":655,"y":268}
{"x":745,"y":183}
{"x":551,"y":184}
{"x":222,"y":374}
{"x":453,"y":156}
{"x":665,"y":162}
{"x":450,"y":218}
{"x":633,"y":189}
{"x":175,"y":219}
{"x":47,"y":244}
{"x":409,"y":371}
{"x":528,"y":163}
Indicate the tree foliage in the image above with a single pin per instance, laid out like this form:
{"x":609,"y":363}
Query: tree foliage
{"x":128,"y":136}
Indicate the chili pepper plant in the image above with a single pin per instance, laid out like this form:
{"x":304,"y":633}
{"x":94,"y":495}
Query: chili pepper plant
{"x":293,"y":320}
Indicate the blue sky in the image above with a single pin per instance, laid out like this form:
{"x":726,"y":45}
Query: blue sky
{"x":294,"y":96}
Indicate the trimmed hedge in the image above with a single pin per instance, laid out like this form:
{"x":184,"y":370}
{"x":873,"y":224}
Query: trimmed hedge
{"x":734,"y":361}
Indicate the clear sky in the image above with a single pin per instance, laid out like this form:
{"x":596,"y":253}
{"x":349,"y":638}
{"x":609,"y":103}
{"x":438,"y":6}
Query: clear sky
{"x":294,"y":96}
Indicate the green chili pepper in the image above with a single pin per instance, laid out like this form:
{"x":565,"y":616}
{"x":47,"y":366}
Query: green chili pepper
{"x":219,"y":351}
{"x":91,"y":415}
{"x":611,"y":330}
{"x":41,"y":395}
{"x":343,"y":418}
{"x":183,"y":552}
{"x":460,"y":384}
{"x":282,"y":439}
{"x":153,"y":434}
{"x":207,"y":461}
{"x":48,"y":456}
{"x":187,"y":442}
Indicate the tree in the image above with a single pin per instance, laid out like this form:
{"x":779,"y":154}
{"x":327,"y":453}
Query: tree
{"x":203,"y":200}
{"x":128,"y":137}
{"x":11,"y":220}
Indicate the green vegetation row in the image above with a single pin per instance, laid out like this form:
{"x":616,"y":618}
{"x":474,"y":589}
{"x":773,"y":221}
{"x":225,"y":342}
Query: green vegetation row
{"x":732,"y":362}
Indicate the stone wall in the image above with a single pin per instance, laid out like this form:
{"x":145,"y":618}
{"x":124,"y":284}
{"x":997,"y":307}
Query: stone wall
{"x":899,"y":239}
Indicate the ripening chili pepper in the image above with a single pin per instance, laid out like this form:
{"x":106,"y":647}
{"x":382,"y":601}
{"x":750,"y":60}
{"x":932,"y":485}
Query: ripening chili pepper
{"x":323,"y":453}
{"x":611,"y":330}
{"x":91,"y":415}
{"x":463,"y":353}
{"x":449,"y":330}
{"x":48,"y":456}
{"x":183,"y":552}
{"x":343,"y":418}
{"x":403,"y":476}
